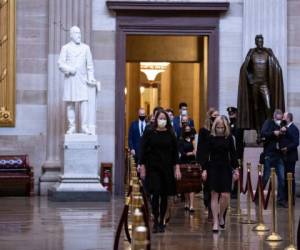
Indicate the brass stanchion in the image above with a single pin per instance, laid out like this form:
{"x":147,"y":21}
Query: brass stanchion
{"x":274,"y":236}
{"x":291,"y":245}
{"x":248,"y":220}
{"x":137,"y":219}
{"x":140,"y":241}
{"x":260,"y":227}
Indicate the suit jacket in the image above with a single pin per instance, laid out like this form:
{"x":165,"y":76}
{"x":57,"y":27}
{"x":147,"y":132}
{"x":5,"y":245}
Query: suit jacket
{"x":134,"y":137}
{"x":291,"y":141}
{"x":176,"y":125}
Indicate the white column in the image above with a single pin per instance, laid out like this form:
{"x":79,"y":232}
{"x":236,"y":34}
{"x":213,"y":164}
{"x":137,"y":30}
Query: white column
{"x":269,"y":18}
{"x":63,"y":14}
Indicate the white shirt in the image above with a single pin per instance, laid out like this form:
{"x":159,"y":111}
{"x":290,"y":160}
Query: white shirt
{"x":142,"y":124}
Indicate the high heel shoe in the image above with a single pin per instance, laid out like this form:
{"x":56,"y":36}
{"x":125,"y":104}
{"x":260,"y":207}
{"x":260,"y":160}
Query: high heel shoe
{"x":224,"y":218}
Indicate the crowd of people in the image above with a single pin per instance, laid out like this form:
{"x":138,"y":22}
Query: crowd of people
{"x":162,"y":143}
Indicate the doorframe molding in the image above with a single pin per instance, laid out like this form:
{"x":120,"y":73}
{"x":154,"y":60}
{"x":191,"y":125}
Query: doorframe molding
{"x":161,"y":18}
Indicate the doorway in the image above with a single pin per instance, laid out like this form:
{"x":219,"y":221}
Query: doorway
{"x":161,"y":18}
{"x":165,"y":71}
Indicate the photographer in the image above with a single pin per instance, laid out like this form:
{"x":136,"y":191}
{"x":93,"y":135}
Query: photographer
{"x":271,"y":134}
{"x":288,"y":146}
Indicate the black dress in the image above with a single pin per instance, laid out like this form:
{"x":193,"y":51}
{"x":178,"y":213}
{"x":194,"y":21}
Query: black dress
{"x":185,"y":147}
{"x":159,"y":154}
{"x":221,"y":160}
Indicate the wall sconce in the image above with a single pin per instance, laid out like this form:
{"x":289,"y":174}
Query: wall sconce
{"x":151,"y":69}
{"x":125,"y":91}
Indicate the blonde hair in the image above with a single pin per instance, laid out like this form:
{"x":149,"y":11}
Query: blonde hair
{"x":218,"y":120}
{"x":207,"y":122}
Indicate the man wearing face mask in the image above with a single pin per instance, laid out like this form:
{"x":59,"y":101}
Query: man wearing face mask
{"x":136,"y":131}
{"x":238,"y":135}
{"x":178,"y":121}
{"x":271,"y":134}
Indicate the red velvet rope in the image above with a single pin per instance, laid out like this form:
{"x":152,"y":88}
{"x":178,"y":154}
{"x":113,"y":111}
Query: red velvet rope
{"x":254,"y":195}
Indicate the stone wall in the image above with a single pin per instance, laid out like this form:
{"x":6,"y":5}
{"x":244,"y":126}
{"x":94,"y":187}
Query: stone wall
{"x":103,"y":49}
{"x":29,"y":134}
{"x":293,"y":88}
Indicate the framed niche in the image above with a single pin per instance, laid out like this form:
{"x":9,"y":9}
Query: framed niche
{"x":7,"y":63}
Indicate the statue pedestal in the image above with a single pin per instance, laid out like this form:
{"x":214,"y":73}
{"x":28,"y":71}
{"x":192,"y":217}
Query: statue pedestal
{"x":80,"y":180}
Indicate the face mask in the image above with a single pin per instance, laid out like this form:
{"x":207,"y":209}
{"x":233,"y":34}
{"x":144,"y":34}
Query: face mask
{"x":184,"y":124}
{"x":278,"y":122}
{"x":184,"y":112}
{"x":187,"y":133}
{"x":142,"y":117}
{"x":212,"y":119}
{"x":161,"y":123}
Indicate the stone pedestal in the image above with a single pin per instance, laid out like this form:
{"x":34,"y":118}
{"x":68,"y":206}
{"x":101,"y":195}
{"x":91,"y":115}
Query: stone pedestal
{"x":80,"y":180}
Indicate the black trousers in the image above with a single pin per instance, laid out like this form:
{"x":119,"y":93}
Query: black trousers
{"x":159,"y":203}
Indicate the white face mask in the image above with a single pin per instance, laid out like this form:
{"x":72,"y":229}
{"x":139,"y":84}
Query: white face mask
{"x":184,"y":112}
{"x":161,"y":123}
{"x":278,"y":122}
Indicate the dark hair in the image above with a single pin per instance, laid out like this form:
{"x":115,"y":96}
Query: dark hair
{"x":182,"y":104}
{"x":259,"y":36}
{"x":168,"y":126}
{"x":170,"y":111}
{"x":290,"y":116}
{"x":157,"y":108}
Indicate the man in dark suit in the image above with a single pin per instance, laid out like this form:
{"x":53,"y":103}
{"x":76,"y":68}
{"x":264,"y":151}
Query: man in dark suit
{"x":288,"y":145}
{"x":136,"y":131}
{"x":271,"y":134}
{"x":179,"y":122}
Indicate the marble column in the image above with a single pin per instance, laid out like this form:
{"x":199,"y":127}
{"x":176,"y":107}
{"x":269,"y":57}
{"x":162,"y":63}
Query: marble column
{"x":63,"y":14}
{"x":269,"y":18}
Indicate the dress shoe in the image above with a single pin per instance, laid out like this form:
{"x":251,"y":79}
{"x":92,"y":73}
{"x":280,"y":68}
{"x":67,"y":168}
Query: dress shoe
{"x":161,"y":228}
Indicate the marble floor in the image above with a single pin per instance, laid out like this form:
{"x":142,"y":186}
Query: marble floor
{"x":38,"y":224}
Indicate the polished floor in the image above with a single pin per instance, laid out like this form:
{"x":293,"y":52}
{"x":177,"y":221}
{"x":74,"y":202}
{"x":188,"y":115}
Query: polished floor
{"x":38,"y":224}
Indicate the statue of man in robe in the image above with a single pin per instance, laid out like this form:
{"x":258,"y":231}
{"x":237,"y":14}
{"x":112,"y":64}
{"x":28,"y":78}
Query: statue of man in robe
{"x":75,"y":61}
{"x":261,"y":88}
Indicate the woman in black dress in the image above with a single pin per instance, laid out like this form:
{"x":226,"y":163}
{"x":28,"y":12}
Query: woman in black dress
{"x":159,"y":166}
{"x":187,"y":155}
{"x":203,"y":136}
{"x":219,"y":169}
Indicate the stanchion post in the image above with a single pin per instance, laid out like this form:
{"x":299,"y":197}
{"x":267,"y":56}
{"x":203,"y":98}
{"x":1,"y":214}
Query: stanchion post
{"x":248,"y":220}
{"x":238,"y":206}
{"x":140,"y":241}
{"x":260,"y":227}
{"x":291,"y":245}
{"x":274,"y":236}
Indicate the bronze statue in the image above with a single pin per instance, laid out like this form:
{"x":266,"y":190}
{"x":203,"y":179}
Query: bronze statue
{"x":260,"y":87}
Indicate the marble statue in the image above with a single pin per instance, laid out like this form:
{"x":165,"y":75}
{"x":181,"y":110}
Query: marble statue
{"x":75,"y":61}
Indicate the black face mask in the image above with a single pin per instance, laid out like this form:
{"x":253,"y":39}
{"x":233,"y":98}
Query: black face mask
{"x":184,"y":124}
{"x":187,"y":134}
{"x":213,"y":119}
{"x":142,"y":117}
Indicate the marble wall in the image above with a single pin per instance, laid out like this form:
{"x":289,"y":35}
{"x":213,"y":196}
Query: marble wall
{"x":293,"y":88}
{"x":29,"y":134}
{"x":103,"y":49}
